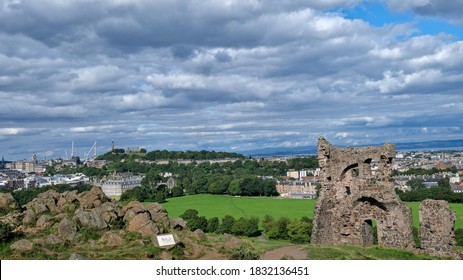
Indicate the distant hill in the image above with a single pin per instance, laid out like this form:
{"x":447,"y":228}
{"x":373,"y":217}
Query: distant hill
{"x":311,"y":150}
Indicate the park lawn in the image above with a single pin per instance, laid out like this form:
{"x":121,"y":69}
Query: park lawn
{"x":209,"y":205}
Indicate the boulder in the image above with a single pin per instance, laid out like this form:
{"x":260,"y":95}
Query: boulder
{"x":48,"y":199}
{"x":30,"y":218}
{"x":90,"y":219}
{"x":7,"y":202}
{"x":112,"y":239}
{"x":22,"y":245}
{"x":158,"y":213}
{"x":67,"y":229}
{"x":109,"y":211}
{"x":231,"y":242}
{"x":135,"y":206}
{"x":142,"y":224}
{"x":132,"y":209}
{"x":199,"y":234}
{"x":92,"y":198}
{"x":53,"y":239}
{"x":44,"y":221}
{"x":178,"y":224}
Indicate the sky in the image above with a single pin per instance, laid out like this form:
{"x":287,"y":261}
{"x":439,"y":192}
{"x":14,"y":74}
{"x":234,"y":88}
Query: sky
{"x":230,"y":75}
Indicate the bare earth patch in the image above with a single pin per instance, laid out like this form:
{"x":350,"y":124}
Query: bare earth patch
{"x":287,"y":252}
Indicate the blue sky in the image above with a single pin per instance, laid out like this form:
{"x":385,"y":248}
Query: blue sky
{"x":227,"y":75}
{"x":379,"y":14}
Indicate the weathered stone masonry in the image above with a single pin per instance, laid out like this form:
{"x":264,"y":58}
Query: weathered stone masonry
{"x":357,"y":190}
{"x":436,"y":227}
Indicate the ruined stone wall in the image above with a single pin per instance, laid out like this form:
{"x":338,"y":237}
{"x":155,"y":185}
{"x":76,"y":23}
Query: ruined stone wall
{"x":436,"y":227}
{"x":356,"y":192}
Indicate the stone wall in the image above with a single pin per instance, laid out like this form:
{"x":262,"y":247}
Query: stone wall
{"x":357,"y":191}
{"x":436,"y":227}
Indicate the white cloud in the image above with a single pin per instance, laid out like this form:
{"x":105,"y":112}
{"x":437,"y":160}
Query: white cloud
{"x":10,"y":131}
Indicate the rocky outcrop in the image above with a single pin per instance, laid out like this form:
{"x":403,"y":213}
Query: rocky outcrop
{"x":63,"y":216}
{"x":8,"y":203}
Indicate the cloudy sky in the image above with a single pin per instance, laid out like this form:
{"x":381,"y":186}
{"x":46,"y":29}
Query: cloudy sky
{"x":227,"y":75}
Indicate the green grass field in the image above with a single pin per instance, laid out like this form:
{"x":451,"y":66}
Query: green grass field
{"x":220,"y":205}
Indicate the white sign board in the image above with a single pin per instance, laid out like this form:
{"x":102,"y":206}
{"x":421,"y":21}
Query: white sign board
{"x":166,"y":240}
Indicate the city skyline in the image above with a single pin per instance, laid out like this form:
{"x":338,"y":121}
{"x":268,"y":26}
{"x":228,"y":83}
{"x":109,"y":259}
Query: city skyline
{"x":227,"y":75}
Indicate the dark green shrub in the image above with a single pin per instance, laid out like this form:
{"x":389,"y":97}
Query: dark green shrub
{"x":6,"y":232}
{"x":213,"y":224}
{"x":299,"y":231}
{"x":227,"y":224}
{"x":245,"y":252}
{"x":246,"y":227}
{"x":459,"y":236}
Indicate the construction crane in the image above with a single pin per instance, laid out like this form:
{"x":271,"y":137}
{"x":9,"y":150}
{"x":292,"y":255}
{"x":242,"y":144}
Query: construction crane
{"x":86,"y":156}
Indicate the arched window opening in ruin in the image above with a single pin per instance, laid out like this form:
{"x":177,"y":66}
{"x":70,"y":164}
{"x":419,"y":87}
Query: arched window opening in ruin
{"x":369,"y":232}
{"x":373,"y":202}
{"x":354,"y":168}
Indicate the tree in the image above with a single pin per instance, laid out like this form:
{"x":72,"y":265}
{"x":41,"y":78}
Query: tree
{"x":269,"y":187}
{"x":299,"y":231}
{"x":267,"y":222}
{"x":444,"y":183}
{"x":246,"y":227}
{"x":212,"y":224}
{"x":177,"y":191}
{"x":234,"y":188}
{"x":279,"y":229}
{"x":227,"y":224}
{"x":415,"y":184}
{"x":194,"y":221}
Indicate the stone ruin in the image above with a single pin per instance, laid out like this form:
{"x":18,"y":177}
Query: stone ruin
{"x":357,"y":191}
{"x":436,"y":227}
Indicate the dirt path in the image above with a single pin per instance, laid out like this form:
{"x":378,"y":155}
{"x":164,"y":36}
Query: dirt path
{"x":287,"y":252}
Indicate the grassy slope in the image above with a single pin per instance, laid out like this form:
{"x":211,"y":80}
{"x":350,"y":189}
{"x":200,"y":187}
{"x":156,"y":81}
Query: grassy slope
{"x":221,"y":205}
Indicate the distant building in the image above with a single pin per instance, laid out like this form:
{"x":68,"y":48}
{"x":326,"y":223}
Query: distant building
{"x":443,"y":165}
{"x":132,"y":150}
{"x":37,"y":167}
{"x":297,"y":188}
{"x":456,"y":188}
{"x":116,"y":186}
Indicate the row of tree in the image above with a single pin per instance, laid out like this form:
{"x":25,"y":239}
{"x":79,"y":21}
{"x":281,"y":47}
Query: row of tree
{"x":294,"y":230}
{"x":228,"y":224}
{"x":419,"y":191}
{"x":190,"y":155}
{"x":423,"y":171}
